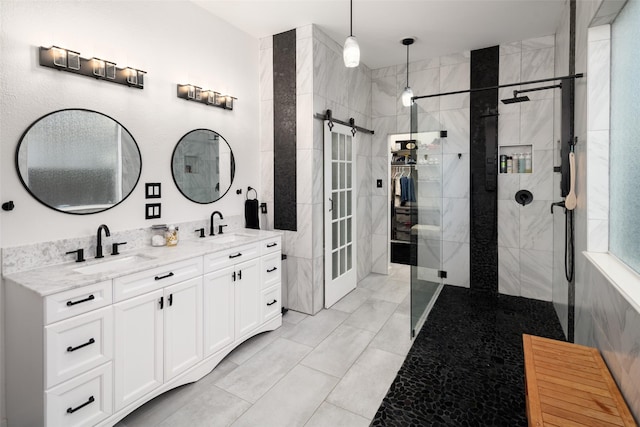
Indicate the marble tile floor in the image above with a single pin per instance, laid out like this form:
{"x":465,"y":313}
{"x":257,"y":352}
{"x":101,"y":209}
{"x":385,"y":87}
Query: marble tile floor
{"x":331,"y":369}
{"x":466,"y":366}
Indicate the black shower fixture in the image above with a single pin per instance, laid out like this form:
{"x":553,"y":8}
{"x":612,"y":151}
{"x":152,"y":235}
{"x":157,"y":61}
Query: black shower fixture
{"x":517,"y":98}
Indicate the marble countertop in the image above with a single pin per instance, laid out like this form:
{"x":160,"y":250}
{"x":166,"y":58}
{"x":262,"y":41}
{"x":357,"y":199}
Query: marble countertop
{"x":62,"y":277}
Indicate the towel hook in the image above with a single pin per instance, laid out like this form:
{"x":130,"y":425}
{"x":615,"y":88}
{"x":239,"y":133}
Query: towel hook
{"x":254,"y":190}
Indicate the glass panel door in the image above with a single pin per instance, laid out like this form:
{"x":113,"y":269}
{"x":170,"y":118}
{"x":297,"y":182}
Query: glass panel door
{"x":340,"y":218}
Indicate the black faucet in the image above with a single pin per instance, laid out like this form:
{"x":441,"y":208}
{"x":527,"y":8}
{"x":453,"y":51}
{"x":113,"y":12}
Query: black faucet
{"x":211,"y":233}
{"x":99,"y":239}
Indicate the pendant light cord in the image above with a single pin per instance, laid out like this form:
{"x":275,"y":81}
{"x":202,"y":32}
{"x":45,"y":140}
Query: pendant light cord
{"x":407,"y":65}
{"x":351,"y":18}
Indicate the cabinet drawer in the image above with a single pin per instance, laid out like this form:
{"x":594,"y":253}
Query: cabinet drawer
{"x":77,"y":345}
{"x":270,"y":245}
{"x":271,"y":272}
{"x":271,"y":302}
{"x":83,"y":401}
{"x":229,"y":257}
{"x":77,"y":301}
{"x":156,"y":278}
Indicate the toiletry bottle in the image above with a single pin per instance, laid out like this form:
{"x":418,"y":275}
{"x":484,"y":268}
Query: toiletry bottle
{"x":509,"y":164}
{"x":527,"y":162}
{"x":521,"y":163}
{"x":503,"y":163}
{"x":172,"y":236}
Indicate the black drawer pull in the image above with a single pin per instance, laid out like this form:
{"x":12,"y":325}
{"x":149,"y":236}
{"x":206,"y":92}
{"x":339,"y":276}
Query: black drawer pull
{"x":89,"y":298}
{"x":270,"y":245}
{"x":165,"y":276}
{"x":272,"y":302}
{"x":77,"y":408}
{"x":236,"y":255}
{"x":271,"y":270}
{"x":91,"y":341}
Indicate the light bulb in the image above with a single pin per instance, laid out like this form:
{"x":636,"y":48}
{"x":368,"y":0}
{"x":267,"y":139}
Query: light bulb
{"x":406,"y":96}
{"x":351,"y":52}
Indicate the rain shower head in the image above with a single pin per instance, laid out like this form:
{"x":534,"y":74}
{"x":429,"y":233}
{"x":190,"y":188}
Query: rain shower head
{"x":515,"y":98}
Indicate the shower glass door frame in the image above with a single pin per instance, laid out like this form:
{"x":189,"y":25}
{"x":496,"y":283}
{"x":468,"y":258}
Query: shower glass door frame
{"x":426,"y":231}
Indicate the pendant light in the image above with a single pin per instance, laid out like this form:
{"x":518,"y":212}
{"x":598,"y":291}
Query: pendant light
{"x":351,"y":51}
{"x":407,"y":94}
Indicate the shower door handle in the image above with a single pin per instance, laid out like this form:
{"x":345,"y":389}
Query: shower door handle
{"x":331,"y":201}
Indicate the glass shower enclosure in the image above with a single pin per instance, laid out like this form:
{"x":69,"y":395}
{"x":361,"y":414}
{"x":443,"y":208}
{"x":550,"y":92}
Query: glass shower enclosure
{"x":416,"y":216}
{"x":426,"y":229}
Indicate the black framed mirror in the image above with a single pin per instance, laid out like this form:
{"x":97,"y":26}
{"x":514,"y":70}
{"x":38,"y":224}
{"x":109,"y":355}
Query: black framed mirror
{"x":78,"y":161}
{"x":203,"y":166}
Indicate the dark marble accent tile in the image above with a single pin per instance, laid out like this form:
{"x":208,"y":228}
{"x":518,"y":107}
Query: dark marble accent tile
{"x":284,"y":131}
{"x":484,"y":171}
{"x":466,"y":367}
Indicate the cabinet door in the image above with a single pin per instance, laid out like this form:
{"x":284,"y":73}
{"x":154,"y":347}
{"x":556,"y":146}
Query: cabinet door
{"x":247,"y":297}
{"x":218,"y":310}
{"x":182,"y":326}
{"x":138,"y":347}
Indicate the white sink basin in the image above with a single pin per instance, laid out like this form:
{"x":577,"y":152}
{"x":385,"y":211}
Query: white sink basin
{"x":111,"y":264}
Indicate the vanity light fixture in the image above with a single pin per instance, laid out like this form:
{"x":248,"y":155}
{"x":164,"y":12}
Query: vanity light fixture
{"x":59,"y":56}
{"x":351,"y":50}
{"x":71,"y":61}
{"x":209,"y":97}
{"x":99,"y":67}
{"x":407,"y":94}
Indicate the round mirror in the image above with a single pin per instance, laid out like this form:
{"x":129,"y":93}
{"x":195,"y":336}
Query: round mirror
{"x":78,"y":161}
{"x":203,"y":166}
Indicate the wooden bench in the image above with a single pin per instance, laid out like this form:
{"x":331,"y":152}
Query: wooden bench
{"x":570,"y":385}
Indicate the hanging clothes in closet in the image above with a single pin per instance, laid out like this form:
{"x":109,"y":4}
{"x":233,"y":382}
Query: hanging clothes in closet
{"x":407,"y":190}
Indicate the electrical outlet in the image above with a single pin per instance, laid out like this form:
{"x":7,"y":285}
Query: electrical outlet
{"x":379,"y":183}
{"x":263,"y":208}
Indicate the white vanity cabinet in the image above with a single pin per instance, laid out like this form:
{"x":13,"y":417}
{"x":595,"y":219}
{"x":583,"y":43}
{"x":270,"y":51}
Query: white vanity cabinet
{"x":158,"y":335}
{"x":231,"y":296}
{"x":89,"y":355}
{"x":59,"y":352}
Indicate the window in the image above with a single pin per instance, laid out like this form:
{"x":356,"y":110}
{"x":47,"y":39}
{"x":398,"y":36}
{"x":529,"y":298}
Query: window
{"x":624,"y":233}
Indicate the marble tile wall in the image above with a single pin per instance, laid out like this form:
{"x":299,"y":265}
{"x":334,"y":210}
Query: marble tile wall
{"x":322,"y":82}
{"x":389,"y":117}
{"x":525,"y":234}
{"x":606,"y":320}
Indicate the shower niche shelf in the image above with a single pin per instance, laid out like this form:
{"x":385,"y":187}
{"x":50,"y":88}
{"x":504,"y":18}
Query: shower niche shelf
{"x":515,"y":151}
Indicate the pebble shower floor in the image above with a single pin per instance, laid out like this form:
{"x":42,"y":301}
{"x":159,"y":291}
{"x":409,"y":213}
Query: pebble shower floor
{"x":466,"y":367}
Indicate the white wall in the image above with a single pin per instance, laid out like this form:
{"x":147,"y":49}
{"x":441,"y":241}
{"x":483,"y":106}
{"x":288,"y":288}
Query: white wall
{"x":175,"y":42}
